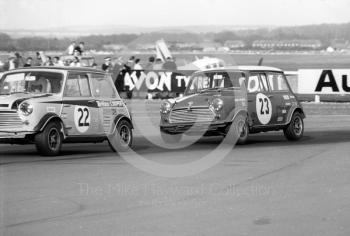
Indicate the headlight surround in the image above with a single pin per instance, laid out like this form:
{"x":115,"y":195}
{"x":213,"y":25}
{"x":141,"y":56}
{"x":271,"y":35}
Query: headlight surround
{"x":165,"y":107}
{"x":216,"y":104}
{"x":25,"y":108}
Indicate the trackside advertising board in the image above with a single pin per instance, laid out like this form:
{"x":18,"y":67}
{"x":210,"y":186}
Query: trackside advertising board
{"x":154,"y":81}
{"x":324,"y":81}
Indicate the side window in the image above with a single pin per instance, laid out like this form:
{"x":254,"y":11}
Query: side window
{"x":254,"y":84}
{"x":77,"y":85}
{"x":102,"y":86}
{"x":236,"y":79}
{"x":218,"y":80}
{"x":277,"y":82}
{"x":264,"y":83}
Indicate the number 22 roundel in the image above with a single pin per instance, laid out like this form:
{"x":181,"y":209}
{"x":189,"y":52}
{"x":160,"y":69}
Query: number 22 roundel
{"x":82,"y":118}
{"x":263,"y":108}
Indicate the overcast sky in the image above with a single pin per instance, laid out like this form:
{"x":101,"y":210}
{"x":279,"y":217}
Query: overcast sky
{"x":28,"y":14}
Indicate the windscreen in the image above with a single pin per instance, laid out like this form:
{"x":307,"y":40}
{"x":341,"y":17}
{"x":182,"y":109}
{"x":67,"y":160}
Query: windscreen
{"x":205,"y":81}
{"x":31,"y":82}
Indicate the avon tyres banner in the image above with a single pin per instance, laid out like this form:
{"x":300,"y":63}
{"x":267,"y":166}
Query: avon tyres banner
{"x":153,"y":81}
{"x":318,"y":81}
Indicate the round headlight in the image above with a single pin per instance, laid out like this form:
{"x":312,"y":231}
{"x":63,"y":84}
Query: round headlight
{"x":217,"y":104}
{"x":165,"y":107}
{"x":25,"y":108}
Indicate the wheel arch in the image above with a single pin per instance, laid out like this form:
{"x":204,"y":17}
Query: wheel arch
{"x":244,"y":113}
{"x":46,"y":119}
{"x":121,"y":117}
{"x":240,"y":112}
{"x":297,"y":109}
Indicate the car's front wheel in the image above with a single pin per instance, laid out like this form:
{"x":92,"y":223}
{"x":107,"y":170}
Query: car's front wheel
{"x":295,"y":129}
{"x":241,"y":129}
{"x":243,"y":132}
{"x":49,"y":141}
{"x":121,"y":138}
{"x":238,"y":131}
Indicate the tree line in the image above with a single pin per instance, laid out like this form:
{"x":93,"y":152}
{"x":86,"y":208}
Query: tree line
{"x":324,"y":32}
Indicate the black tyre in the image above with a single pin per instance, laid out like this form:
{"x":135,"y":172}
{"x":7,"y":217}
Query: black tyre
{"x":243,"y":130}
{"x":240,"y":128}
{"x":121,"y":138}
{"x":295,"y":129}
{"x":49,"y":141}
{"x":170,"y":138}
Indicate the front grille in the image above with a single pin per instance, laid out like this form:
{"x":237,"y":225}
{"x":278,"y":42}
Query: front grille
{"x":10,"y":119}
{"x":191,"y":116}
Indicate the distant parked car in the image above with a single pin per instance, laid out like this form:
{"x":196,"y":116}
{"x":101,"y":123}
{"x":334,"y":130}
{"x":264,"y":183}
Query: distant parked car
{"x":214,"y":99}
{"x":51,"y":105}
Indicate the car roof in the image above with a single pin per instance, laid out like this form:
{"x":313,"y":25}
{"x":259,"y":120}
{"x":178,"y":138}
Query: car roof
{"x":246,"y":68}
{"x":259,"y":68}
{"x":63,"y":68}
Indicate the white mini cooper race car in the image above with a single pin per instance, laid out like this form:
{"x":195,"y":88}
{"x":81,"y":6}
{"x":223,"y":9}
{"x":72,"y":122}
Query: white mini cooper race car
{"x":51,"y":105}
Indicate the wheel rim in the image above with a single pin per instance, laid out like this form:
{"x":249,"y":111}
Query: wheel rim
{"x":54,"y":139}
{"x":298,"y":126}
{"x":242,"y":129}
{"x":125,"y":136}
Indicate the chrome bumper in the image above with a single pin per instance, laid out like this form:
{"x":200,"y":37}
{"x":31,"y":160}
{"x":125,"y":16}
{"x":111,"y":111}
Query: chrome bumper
{"x":13,"y":134}
{"x":193,"y":127}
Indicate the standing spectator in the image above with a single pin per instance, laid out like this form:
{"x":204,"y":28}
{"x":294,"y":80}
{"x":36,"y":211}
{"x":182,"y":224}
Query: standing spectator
{"x":48,"y":61}
{"x":137,"y":65}
{"x":80,"y":48}
{"x":93,"y":63}
{"x":19,"y":62}
{"x":28,"y":62}
{"x":1,"y":66}
{"x":71,"y":47}
{"x":158,"y":65}
{"x":10,"y":64}
{"x":150,"y":63}
{"x":76,"y":53}
{"x":38,"y":60}
{"x":107,"y":65}
{"x":169,"y":65}
{"x":119,"y":82}
{"x":131,"y":62}
{"x":75,"y":62}
{"x":117,"y":66}
{"x":57,"y":61}
{"x":67,"y":62}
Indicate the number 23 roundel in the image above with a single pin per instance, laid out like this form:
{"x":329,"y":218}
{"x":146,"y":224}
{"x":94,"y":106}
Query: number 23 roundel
{"x":82,"y":118}
{"x":263,"y":108}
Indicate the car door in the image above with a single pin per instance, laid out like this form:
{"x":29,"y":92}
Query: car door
{"x":282,"y":97}
{"x":260,"y":103}
{"x":109,"y":103}
{"x":79,"y":111}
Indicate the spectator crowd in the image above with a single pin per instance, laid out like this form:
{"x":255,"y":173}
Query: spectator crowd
{"x":75,"y":56}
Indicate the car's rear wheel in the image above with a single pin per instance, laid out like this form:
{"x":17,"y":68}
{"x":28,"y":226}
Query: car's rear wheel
{"x":295,"y":129}
{"x":49,"y":141}
{"x":170,"y":138}
{"x":121,"y":138}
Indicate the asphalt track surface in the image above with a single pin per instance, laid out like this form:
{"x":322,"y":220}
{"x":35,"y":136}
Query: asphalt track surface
{"x":267,"y":187}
